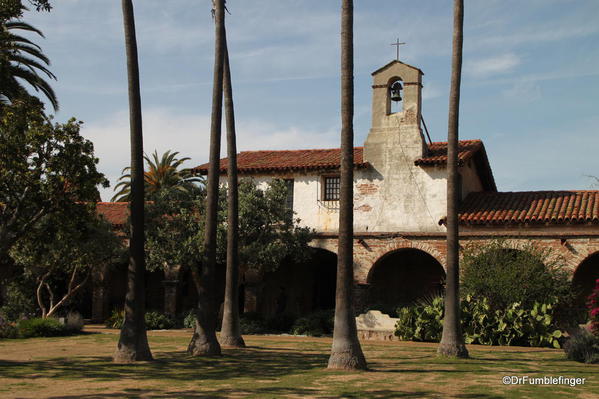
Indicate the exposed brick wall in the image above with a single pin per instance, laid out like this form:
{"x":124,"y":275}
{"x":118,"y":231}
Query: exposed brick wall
{"x":367,"y":251}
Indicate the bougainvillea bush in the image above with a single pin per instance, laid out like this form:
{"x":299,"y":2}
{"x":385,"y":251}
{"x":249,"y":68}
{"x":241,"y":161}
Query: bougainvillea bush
{"x":593,"y":303}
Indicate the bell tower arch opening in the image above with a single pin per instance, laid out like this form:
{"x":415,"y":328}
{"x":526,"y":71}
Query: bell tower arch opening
{"x":394,"y":93}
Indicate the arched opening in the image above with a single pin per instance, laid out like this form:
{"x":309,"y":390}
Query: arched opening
{"x":584,"y":278}
{"x":300,"y":288}
{"x":394,"y":95}
{"x":402,"y":277}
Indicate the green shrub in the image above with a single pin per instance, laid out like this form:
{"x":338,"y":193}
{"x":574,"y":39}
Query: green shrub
{"x":7,"y":329}
{"x":18,"y":301}
{"x":159,"y":321}
{"x":421,"y":321}
{"x":190,"y":320}
{"x":116,"y":319}
{"x":481,"y":324}
{"x":154,"y":320}
{"x":582,"y":347}
{"x":252,"y":323}
{"x":39,"y":327}
{"x":505,"y":275}
{"x":314,"y":324}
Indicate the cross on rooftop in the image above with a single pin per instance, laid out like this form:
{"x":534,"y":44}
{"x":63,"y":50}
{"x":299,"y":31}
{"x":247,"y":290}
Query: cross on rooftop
{"x":397,"y":44}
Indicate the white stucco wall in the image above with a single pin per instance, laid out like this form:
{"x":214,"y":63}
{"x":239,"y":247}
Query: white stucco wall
{"x":413,"y":200}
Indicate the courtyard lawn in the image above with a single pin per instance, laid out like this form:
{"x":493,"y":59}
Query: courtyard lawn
{"x":276,"y":367}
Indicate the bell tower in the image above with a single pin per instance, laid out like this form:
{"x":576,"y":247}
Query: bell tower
{"x":395,"y":135}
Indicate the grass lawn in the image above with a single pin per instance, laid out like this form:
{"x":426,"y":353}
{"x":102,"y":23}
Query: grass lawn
{"x":276,"y":367}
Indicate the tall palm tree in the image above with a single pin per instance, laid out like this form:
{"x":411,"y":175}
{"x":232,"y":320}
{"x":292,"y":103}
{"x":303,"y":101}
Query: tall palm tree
{"x":22,"y":60}
{"x":230,"y":333}
{"x":452,"y":340}
{"x":203,"y":341}
{"x":162,"y":173}
{"x":133,"y":341}
{"x":346,"y":352}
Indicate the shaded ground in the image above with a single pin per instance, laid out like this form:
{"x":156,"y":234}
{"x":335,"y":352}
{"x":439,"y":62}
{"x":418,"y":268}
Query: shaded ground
{"x":275,"y":367}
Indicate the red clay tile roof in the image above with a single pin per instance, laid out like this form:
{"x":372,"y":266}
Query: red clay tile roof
{"x":437,"y":152}
{"x":114,"y":212}
{"x":532,"y":207}
{"x":270,"y":161}
{"x":467,"y":150}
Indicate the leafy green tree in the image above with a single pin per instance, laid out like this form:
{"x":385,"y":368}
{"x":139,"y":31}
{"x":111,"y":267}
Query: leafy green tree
{"x":63,"y":249}
{"x":452,"y":341}
{"x":133,"y":340}
{"x":161,"y":173}
{"x":44,"y":168}
{"x":505,"y":275}
{"x":14,"y":8}
{"x":346,"y":352}
{"x":268,"y":233}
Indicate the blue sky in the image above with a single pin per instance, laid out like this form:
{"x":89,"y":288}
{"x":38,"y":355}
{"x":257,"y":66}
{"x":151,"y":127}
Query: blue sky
{"x":530,"y":83}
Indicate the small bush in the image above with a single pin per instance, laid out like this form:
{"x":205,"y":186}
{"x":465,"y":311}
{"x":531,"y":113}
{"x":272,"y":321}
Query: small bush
{"x":315,"y":324}
{"x":116,"y":319}
{"x":159,"y":321}
{"x":190,"y":320}
{"x":481,"y":324}
{"x":18,"y":301}
{"x":39,"y":327}
{"x":154,"y":320}
{"x":593,"y":304}
{"x":7,"y":329}
{"x":421,"y":321}
{"x":252,"y":323}
{"x":582,"y":347}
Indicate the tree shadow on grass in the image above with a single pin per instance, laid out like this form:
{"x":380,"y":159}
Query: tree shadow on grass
{"x":272,"y":392}
{"x":177,"y":366}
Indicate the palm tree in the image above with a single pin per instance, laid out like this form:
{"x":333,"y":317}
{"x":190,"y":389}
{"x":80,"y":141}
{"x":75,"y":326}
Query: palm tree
{"x":452,"y":340}
{"x":162,"y":173}
{"x":346,"y":352}
{"x":230,"y":334}
{"x":133,"y":341}
{"x":22,"y":60}
{"x":203,"y":341}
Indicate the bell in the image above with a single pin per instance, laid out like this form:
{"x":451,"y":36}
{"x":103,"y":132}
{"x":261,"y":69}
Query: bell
{"x":396,"y":91}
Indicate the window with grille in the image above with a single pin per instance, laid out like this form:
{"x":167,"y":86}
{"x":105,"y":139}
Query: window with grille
{"x":331,"y":188}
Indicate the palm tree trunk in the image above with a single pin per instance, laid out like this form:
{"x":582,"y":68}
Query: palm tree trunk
{"x":203,"y":341}
{"x":230,"y":333}
{"x":452,"y":340}
{"x":133,"y":341}
{"x":346,"y":352}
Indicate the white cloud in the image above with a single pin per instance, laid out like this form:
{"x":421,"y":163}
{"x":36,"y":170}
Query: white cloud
{"x":523,"y":91}
{"x":492,"y":66}
{"x":165,"y":129}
